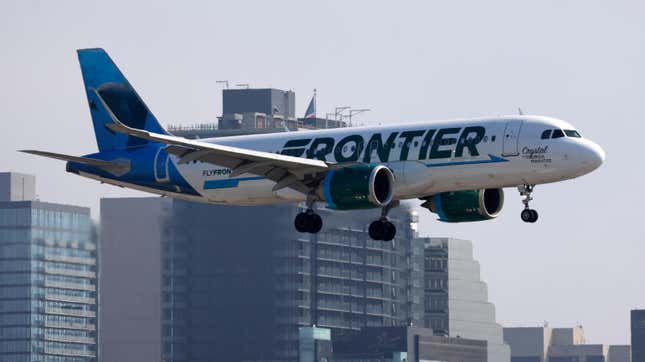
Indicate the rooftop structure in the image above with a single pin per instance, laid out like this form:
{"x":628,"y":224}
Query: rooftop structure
{"x":545,"y":344}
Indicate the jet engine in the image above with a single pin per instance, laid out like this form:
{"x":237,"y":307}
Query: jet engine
{"x":358,"y":187}
{"x":467,"y":205}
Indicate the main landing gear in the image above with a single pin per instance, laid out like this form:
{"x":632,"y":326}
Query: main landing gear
{"x":308,"y":221}
{"x":383,"y":229}
{"x":528,"y":214}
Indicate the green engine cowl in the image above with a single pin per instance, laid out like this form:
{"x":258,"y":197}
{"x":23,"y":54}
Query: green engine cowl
{"x":358,"y":187}
{"x":468,"y":205}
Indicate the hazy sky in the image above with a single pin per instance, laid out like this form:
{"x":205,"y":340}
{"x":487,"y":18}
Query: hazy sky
{"x":582,"y":61}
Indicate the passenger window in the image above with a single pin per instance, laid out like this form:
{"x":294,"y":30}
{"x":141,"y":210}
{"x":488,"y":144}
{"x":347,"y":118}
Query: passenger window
{"x":557,"y":133}
{"x":572,"y":133}
{"x":492,"y":139}
{"x":546,"y":134}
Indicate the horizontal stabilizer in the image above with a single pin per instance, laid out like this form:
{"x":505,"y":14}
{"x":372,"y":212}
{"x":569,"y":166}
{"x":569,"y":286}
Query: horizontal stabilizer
{"x":117,"y":168}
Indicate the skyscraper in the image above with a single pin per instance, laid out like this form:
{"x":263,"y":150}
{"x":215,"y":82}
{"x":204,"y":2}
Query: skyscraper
{"x":638,"y":335}
{"x":47,"y":281}
{"x":236,"y":283}
{"x":240,"y":281}
{"x":456,"y":299}
{"x":130,"y":265}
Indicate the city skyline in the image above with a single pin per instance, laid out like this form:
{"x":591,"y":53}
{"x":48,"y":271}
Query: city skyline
{"x":579,"y":263}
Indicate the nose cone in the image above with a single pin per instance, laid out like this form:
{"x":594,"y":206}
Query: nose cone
{"x":592,"y":156}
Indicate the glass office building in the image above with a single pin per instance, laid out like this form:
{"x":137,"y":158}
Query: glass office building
{"x":638,"y":334}
{"x":238,"y":282}
{"x":47,"y":283}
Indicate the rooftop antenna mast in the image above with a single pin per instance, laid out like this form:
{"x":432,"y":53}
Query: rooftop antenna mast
{"x":356,"y":111}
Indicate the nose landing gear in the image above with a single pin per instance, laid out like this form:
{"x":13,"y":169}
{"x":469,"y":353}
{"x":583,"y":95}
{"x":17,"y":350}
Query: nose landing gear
{"x":528,"y":214}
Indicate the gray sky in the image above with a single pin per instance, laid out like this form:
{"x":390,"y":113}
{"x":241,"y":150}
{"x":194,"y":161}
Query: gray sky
{"x":581,"y":61}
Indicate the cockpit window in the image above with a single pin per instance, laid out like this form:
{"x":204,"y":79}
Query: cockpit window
{"x":572,"y":133}
{"x":557,"y":133}
{"x":546,"y":134}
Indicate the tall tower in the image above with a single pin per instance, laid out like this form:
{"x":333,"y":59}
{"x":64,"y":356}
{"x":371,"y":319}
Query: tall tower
{"x":638,"y":334}
{"x":456,"y":299}
{"x":48,"y":286}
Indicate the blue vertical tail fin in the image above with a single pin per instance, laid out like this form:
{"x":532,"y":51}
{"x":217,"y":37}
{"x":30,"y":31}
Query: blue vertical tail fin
{"x":101,"y":75}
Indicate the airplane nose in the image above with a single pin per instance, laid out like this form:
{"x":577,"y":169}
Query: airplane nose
{"x":593,"y":156}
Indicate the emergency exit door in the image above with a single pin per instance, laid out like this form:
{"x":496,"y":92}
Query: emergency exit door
{"x":512,"y":138}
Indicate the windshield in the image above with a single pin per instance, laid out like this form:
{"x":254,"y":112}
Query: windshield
{"x":546,"y":134}
{"x":557,"y":133}
{"x":572,"y":133}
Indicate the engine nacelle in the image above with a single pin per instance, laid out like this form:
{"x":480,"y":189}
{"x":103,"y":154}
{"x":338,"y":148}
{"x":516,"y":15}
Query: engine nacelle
{"x":468,"y":205}
{"x":358,"y":187}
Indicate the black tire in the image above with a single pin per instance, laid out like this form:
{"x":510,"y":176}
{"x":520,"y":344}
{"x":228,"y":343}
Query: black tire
{"x":534,"y":216}
{"x":527,"y":215}
{"x":377,"y":230}
{"x":302,"y":222}
{"x":390,"y":231}
{"x":316,"y":223}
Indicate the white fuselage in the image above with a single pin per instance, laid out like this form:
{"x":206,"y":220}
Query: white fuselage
{"x":426,"y":158}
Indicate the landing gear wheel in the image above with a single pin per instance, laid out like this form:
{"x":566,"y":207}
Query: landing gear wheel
{"x":308,"y":222}
{"x":302,"y":222}
{"x":529,"y":215}
{"x":526,"y":215}
{"x":534,"y":216}
{"x":377,"y":230}
{"x":382,"y":230}
{"x":316,"y":223}
{"x":390,"y":231}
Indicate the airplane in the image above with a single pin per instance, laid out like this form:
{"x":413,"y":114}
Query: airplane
{"x":457,"y":167}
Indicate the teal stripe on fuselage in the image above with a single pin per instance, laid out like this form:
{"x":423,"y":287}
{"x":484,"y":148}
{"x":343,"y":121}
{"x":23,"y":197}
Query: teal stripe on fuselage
{"x":228,"y":183}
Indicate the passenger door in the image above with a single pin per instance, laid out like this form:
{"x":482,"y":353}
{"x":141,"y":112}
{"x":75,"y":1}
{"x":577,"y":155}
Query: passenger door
{"x":511,"y":138}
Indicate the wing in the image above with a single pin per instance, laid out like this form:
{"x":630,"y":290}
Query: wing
{"x":300,"y":174}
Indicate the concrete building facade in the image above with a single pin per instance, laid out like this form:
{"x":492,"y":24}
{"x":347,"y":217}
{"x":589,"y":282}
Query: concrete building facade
{"x":401,"y":344}
{"x":130,"y":328}
{"x":456,"y":299}
{"x":258,"y":108}
{"x":48,"y":281}
{"x":545,"y":344}
{"x":16,"y":186}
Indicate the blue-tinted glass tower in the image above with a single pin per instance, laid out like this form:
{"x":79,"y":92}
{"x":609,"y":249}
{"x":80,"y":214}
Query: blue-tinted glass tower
{"x":47,"y":283}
